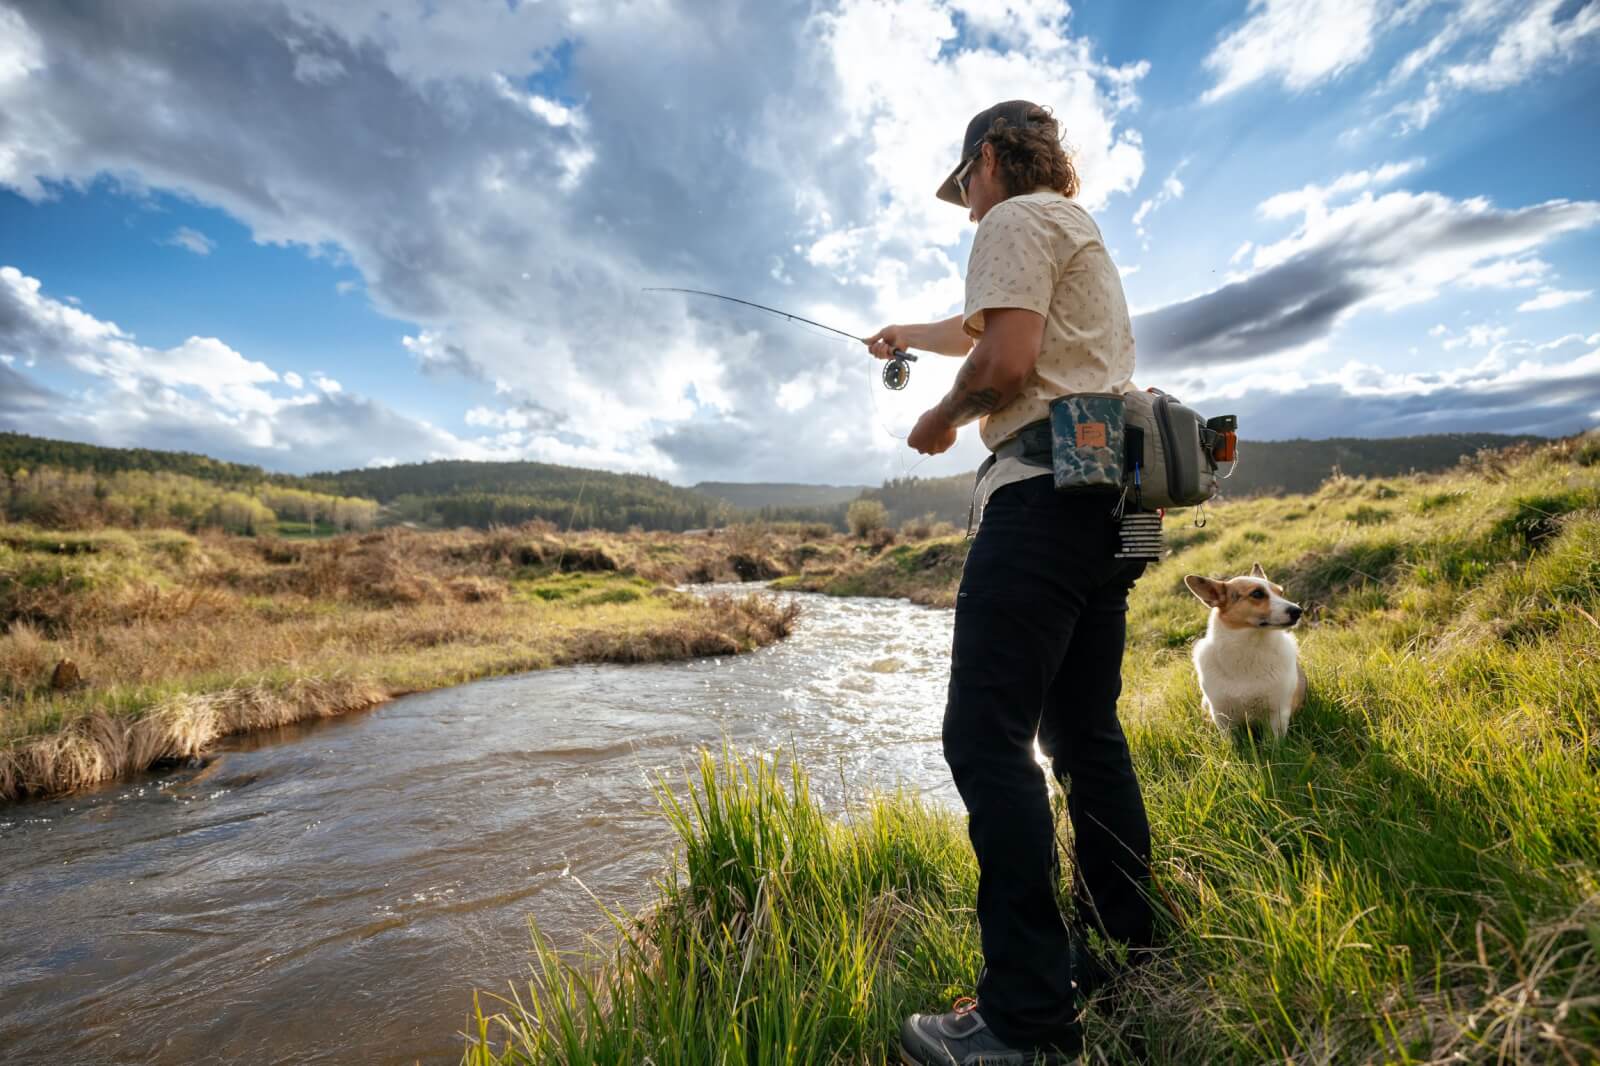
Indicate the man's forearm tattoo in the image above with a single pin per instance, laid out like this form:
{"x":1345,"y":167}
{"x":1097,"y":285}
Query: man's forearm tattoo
{"x":964,"y":403}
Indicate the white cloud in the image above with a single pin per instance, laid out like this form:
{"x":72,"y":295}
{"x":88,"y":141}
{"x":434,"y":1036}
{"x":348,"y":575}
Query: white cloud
{"x":1298,"y":42}
{"x":1495,"y":394}
{"x":511,"y":228}
{"x":200,"y":395}
{"x":1375,"y":251}
{"x":1313,"y":199}
{"x":1240,"y":252}
{"x":47,"y":328}
{"x":1520,"y":273}
{"x":326,"y":384}
{"x":192,"y":239}
{"x":293,"y":380}
{"x":1530,"y":42}
{"x":1549,"y":299}
{"x":1480,"y":336}
{"x":908,"y":83}
{"x":1171,"y":189}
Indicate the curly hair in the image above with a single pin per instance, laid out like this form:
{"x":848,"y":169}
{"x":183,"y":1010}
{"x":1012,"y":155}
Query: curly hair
{"x":1032,"y":157}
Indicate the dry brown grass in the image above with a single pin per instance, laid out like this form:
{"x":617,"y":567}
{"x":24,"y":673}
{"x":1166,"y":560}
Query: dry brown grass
{"x":97,"y":747}
{"x":180,"y":640}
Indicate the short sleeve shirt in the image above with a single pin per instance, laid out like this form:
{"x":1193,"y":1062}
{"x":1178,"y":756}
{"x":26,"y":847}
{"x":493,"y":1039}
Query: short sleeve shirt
{"x":1043,"y":252}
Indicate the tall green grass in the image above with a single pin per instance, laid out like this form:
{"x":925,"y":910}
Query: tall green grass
{"x":1412,"y":876}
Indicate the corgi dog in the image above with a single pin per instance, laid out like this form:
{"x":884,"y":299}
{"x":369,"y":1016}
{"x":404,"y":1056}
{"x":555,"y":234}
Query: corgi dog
{"x":1248,"y":661}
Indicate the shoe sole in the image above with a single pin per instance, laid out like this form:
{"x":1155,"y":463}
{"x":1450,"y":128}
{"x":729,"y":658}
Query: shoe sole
{"x":907,"y":1060}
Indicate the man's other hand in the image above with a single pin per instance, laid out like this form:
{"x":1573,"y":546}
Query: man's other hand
{"x":932,"y":434}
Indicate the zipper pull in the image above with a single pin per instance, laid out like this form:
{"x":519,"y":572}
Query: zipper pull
{"x":1122,"y":500}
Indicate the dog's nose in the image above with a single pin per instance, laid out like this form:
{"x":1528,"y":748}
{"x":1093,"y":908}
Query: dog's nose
{"x":1294,"y":613}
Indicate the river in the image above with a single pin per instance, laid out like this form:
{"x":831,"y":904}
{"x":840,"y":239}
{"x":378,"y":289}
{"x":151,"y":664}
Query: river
{"x":334,"y":892}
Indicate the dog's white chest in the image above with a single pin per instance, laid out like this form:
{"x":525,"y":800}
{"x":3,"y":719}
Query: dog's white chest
{"x":1246,"y":673}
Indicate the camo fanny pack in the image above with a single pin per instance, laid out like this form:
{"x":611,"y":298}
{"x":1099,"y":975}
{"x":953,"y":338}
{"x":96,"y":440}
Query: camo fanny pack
{"x":1146,"y":448}
{"x":1088,"y":441}
{"x":1163,"y":454}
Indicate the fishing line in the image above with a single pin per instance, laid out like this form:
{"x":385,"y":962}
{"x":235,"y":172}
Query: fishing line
{"x":896,"y":373}
{"x":896,"y":370}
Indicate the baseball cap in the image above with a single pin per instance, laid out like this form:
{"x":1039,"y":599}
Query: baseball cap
{"x":1015,"y":112}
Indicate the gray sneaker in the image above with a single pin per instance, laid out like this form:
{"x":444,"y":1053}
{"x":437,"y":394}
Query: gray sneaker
{"x":963,"y":1038}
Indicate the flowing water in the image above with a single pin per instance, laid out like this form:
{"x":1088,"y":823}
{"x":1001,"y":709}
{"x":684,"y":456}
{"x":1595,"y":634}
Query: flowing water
{"x":334,"y":892}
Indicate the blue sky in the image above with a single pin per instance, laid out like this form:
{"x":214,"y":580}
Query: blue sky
{"x":318,"y":236}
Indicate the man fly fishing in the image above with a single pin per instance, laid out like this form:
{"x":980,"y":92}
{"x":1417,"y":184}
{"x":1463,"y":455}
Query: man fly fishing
{"x":1041,"y":611}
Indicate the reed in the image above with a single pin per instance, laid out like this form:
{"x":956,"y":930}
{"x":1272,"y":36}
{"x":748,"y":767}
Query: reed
{"x":1411,"y":876}
{"x":97,"y":747}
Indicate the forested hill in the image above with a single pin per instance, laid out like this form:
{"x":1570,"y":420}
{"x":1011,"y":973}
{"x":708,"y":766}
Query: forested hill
{"x":18,"y":451}
{"x":1264,"y":468}
{"x":448,"y":493}
{"x":463,"y":493}
{"x":754,"y":495}
{"x":1294,"y":466}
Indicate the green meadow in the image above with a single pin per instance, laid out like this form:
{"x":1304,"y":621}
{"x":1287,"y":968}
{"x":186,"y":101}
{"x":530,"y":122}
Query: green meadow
{"x":1412,"y":876}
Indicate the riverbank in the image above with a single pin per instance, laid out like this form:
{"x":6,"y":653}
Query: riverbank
{"x":1411,"y":876}
{"x":172,"y":641}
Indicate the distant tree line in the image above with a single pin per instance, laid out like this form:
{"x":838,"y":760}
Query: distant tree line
{"x":1278,"y":467}
{"x":1295,"y":466}
{"x":76,"y":499}
{"x":595,"y":510}
{"x":19,"y":451}
{"x":462,"y":493}
{"x":905,"y":498}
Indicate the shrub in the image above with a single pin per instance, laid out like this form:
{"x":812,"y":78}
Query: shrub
{"x":865,"y":516}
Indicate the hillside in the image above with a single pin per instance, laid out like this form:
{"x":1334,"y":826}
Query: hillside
{"x":1411,"y":876}
{"x":462,"y":493}
{"x":1265,"y":467}
{"x":19,"y":451}
{"x":754,"y":495}
{"x":451,"y":493}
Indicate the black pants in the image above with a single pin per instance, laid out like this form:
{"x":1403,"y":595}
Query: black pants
{"x":1040,"y":625}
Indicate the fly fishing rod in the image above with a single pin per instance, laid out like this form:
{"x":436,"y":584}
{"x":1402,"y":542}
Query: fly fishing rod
{"x":896,"y":372}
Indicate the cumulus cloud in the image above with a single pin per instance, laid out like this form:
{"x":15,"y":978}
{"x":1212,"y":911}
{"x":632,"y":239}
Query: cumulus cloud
{"x":506,"y":178}
{"x":1297,"y":42}
{"x":1381,"y":251}
{"x":200,"y":395}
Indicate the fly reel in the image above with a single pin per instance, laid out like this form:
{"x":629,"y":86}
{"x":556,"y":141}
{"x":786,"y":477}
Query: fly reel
{"x":897,"y":372}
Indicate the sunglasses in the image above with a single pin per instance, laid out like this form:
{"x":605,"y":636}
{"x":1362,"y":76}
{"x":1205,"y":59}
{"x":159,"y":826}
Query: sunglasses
{"x":964,"y":178}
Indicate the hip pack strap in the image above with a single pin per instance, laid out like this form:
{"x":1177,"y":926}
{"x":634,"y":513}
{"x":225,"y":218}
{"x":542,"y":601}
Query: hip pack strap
{"x":1031,"y":444}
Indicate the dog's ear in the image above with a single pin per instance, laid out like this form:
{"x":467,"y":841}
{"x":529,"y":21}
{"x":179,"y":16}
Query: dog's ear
{"x":1209,"y":592}
{"x":1256,"y":571}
